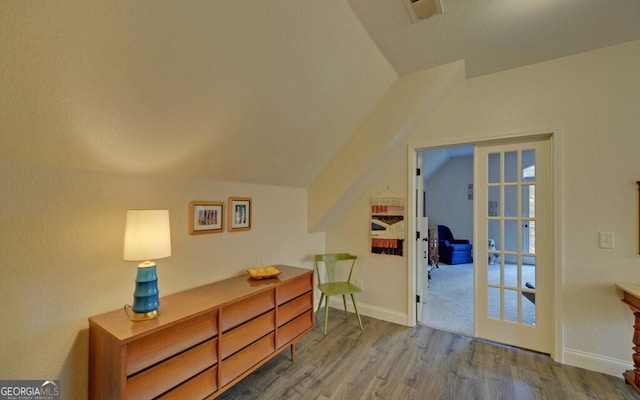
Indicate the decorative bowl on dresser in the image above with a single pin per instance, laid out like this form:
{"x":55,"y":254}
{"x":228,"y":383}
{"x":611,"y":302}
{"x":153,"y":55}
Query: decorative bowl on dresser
{"x":204,"y":341}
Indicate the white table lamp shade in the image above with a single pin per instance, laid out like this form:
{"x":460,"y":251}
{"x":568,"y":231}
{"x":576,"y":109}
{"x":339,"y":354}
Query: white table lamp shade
{"x":147,"y":235}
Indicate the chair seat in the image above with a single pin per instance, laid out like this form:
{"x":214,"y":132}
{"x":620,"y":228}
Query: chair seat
{"x":460,"y":247}
{"x":338,"y":288}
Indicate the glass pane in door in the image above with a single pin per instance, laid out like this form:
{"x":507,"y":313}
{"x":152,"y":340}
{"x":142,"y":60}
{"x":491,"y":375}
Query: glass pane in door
{"x":511,"y":167}
{"x":528,"y":201}
{"x":528,"y":309}
{"x":494,"y":168}
{"x":494,"y":201}
{"x":511,"y":201}
{"x":529,"y":236}
{"x":494,"y":302}
{"x":511,"y":305}
{"x":528,"y":272}
{"x":528,"y":165}
{"x":511,"y":235}
{"x":494,"y":272}
{"x":510,"y":272}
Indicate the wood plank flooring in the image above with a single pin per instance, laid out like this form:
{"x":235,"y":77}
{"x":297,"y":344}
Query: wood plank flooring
{"x":389,"y":361}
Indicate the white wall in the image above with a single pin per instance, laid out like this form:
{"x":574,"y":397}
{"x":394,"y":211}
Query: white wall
{"x":590,"y":101}
{"x":384,"y":276}
{"x":447,"y":197}
{"x":61,"y":233}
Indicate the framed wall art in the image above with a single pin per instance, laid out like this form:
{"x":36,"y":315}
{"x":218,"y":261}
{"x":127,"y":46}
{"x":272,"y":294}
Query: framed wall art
{"x":387,"y":225}
{"x":239,"y":217}
{"x":206,"y":217}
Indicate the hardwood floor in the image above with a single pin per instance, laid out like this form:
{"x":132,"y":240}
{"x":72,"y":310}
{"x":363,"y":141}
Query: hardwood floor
{"x":389,"y":361}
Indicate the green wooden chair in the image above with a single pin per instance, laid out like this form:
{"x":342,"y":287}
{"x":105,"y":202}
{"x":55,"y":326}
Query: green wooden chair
{"x":331,"y":287}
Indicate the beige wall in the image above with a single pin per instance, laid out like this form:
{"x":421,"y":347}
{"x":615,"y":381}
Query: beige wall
{"x":590,"y":102}
{"x":384,"y":276}
{"x":61,"y":259}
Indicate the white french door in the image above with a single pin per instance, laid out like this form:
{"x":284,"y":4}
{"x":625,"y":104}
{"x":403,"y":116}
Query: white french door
{"x":514,"y":209}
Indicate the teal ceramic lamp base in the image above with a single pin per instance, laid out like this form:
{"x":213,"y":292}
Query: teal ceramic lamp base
{"x":145,"y":297}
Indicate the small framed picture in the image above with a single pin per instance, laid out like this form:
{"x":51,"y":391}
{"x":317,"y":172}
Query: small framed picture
{"x":239,"y":214}
{"x":206,"y":217}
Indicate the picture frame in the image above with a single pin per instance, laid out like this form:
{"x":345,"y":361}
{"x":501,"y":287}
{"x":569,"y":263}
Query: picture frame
{"x":239,"y":214}
{"x":206,"y":217}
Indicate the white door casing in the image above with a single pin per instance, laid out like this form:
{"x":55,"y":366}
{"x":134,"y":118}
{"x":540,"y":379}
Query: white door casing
{"x":419,"y":263}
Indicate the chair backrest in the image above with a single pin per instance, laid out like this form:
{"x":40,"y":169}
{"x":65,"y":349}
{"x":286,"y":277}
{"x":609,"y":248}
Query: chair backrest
{"x":330,"y":261}
{"x":444,"y":233}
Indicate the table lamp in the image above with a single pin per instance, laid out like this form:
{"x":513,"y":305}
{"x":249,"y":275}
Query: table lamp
{"x":147,"y":236}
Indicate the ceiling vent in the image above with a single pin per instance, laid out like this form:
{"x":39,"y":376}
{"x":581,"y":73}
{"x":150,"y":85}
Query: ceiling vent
{"x":422,"y":9}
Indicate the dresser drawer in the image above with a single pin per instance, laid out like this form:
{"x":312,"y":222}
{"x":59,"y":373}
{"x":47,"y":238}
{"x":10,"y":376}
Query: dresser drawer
{"x":237,"y":313}
{"x":295,"y":307}
{"x":159,"y":346}
{"x":294,"y":288}
{"x":245,"y":334}
{"x":240,"y":362}
{"x":199,"y":387}
{"x":170,"y":373}
{"x":294,"y":328}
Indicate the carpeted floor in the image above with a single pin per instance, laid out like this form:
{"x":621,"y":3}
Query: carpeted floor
{"x":450,"y":299}
{"x":449,"y":304}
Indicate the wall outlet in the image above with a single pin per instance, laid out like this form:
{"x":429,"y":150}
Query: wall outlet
{"x":359,"y":284}
{"x":606,"y":240}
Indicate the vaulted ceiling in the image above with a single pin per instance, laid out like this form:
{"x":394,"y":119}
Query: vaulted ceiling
{"x":248,"y":91}
{"x":495,"y":35}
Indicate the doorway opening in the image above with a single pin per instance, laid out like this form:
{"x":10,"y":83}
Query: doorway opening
{"x":509,"y":190}
{"x":448,"y":196}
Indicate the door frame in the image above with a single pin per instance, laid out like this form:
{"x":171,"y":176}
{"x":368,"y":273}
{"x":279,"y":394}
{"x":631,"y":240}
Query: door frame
{"x":555,"y":139}
{"x":421,"y":288}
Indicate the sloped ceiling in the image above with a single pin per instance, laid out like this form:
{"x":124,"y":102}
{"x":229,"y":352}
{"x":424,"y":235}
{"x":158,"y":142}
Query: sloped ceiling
{"x":434,"y":159}
{"x":248,"y":91}
{"x":495,"y":35}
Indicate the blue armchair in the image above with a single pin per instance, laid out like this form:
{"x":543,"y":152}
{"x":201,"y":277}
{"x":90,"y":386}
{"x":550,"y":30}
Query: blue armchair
{"x":453,"y":251}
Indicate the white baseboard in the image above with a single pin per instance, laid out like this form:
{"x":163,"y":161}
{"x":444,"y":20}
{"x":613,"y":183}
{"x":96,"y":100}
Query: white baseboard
{"x":370,"y":311}
{"x":596,"y":362}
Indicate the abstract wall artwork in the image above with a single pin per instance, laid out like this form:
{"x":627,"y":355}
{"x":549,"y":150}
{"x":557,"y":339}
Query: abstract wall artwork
{"x":387,"y":225}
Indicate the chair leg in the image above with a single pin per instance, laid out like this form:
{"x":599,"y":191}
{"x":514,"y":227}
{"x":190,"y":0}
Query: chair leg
{"x":355,"y":307}
{"x":320,"y":303}
{"x":326,"y":313}
{"x":344,"y":300}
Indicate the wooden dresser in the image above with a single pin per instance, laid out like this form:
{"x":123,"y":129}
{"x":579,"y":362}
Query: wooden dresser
{"x":204,"y":341}
{"x":631,"y":297}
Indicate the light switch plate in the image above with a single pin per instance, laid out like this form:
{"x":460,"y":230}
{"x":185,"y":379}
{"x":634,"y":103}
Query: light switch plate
{"x":606,"y":240}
